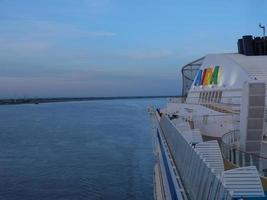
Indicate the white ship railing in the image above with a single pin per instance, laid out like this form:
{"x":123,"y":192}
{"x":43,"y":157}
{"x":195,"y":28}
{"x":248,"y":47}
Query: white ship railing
{"x":230,"y":141}
{"x":231,"y":138}
{"x":238,"y":158}
{"x":224,"y":104}
{"x":202,"y":170}
{"x":176,"y":99}
{"x":192,"y":166}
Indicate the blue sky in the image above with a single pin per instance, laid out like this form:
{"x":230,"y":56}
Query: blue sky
{"x":52,"y":48}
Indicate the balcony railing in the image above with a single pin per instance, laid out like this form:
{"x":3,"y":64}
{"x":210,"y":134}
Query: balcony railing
{"x":232,"y":153}
{"x":232,"y":138}
{"x":176,"y":99}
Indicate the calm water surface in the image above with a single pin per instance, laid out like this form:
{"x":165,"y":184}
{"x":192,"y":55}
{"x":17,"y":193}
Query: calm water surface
{"x":76,"y":151}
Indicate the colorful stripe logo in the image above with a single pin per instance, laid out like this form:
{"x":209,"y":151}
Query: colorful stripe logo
{"x":208,"y":76}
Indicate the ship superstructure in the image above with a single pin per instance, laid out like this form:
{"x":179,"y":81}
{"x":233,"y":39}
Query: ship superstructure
{"x":212,"y":143}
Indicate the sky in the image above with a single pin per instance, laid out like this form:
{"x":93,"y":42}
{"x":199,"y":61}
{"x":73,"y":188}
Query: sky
{"x":86,"y":48}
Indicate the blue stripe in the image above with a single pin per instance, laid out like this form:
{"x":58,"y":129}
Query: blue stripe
{"x":168,"y":173}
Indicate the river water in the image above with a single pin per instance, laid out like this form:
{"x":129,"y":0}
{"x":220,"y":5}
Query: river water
{"x":77,"y":150}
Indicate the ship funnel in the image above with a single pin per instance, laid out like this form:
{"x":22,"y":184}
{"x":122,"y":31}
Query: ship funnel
{"x":252,"y":46}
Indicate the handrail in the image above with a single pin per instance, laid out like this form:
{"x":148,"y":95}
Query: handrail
{"x":240,"y":149}
{"x":221,"y":107}
{"x":176,"y":99}
{"x":202,"y":101}
{"x":232,"y":153}
{"x":231,"y":137}
{"x":187,"y":157}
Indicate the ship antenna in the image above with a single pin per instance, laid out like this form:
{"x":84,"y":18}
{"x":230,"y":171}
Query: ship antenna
{"x":263,"y":28}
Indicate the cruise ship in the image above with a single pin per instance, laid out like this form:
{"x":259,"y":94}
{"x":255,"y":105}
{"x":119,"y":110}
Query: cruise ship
{"x":212,"y":142}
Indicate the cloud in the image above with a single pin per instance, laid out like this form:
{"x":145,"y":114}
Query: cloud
{"x":86,"y":83}
{"x":40,"y":43}
{"x":54,"y":9}
{"x":159,"y":54}
{"x":41,"y":29}
{"x":22,"y":46}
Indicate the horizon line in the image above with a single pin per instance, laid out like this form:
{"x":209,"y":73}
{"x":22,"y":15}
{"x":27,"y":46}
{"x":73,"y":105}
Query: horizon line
{"x":12,"y":101}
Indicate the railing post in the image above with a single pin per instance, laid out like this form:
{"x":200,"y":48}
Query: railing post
{"x":237,"y":157}
{"x":228,"y":153}
{"x":261,"y":163}
{"x":223,"y":149}
{"x":243,"y":160}
{"x":231,"y":154}
{"x":250,"y":160}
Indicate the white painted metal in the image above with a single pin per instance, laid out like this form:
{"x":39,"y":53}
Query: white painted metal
{"x":243,"y":182}
{"x":231,"y":152}
{"x":214,"y":110}
{"x":209,"y":122}
{"x":255,"y":66}
{"x":252,"y":117}
{"x":210,"y":152}
{"x":196,"y":136}
{"x":235,"y":70}
{"x":192,"y":136}
{"x":161,"y":176}
{"x":201,"y":167}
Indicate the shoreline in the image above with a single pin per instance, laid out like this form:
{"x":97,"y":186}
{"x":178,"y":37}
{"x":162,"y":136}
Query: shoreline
{"x":68,"y":99}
